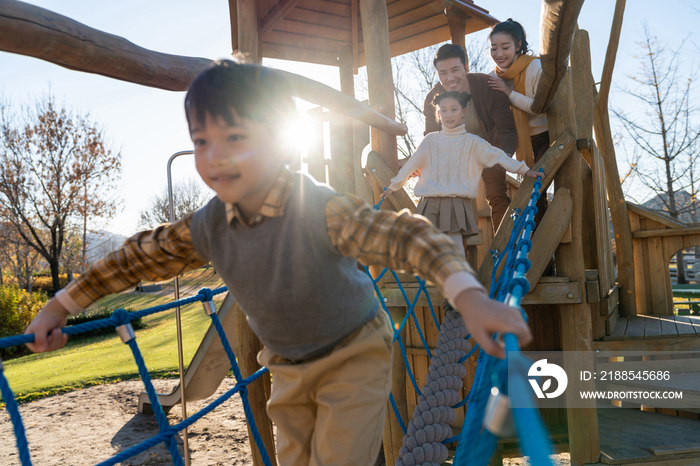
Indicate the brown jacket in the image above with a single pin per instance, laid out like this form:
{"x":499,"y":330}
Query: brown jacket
{"x":492,"y":109}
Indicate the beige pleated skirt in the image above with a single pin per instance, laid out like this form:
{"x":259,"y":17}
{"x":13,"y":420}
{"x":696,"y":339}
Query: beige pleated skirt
{"x":449,"y":214}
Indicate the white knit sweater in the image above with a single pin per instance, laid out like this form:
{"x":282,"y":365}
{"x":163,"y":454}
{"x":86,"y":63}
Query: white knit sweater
{"x":451,"y":163}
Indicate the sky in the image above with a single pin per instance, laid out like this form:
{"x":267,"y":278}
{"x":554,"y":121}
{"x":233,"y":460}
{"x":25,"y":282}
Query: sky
{"x":148,"y":125}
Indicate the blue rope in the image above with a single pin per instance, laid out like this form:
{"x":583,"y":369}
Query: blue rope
{"x":167,"y":433}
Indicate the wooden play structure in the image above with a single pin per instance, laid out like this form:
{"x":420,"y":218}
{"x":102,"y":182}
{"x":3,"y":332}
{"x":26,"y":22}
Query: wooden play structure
{"x":591,"y":304}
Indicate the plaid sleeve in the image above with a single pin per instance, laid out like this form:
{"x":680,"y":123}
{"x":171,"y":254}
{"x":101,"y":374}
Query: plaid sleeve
{"x":153,"y":255}
{"x":397,"y":240}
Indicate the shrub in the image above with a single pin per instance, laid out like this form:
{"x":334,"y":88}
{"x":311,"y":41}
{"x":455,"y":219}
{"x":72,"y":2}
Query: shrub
{"x":103,"y":313}
{"x":45,"y":283}
{"x":17,"y":309}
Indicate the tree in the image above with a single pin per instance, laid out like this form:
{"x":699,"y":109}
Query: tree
{"x":56,"y":171}
{"x":20,"y":260}
{"x":664,"y":131}
{"x":188,"y":196}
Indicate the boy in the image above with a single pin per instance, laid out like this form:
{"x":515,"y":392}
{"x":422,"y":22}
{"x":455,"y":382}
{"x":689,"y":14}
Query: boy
{"x":287,"y":249}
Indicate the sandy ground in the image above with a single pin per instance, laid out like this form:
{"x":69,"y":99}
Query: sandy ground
{"x":88,"y":426}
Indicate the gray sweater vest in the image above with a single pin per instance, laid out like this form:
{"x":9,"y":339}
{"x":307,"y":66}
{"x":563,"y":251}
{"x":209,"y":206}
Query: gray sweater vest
{"x":301,"y":296}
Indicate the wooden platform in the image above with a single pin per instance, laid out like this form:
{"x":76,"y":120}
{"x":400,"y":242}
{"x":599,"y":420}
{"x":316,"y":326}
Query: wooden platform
{"x":635,"y":437}
{"x":653,"y":333}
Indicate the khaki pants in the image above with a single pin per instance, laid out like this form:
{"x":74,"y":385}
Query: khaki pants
{"x":330,"y":411}
{"x":496,"y":191}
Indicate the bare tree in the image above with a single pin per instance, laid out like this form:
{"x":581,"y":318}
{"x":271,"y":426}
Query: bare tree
{"x":664,"y":131}
{"x":56,"y":170}
{"x":188,"y":196}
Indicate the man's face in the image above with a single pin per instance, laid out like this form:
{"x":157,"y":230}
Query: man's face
{"x":452,"y":74}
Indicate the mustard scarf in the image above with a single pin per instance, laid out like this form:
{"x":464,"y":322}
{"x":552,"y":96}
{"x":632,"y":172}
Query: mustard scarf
{"x":516,"y":72}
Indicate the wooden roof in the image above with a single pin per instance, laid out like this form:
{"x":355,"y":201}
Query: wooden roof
{"x":314,"y":31}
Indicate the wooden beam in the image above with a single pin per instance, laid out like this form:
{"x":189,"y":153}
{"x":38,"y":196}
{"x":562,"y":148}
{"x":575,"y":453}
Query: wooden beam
{"x":276,"y":14}
{"x":549,"y":232}
{"x":616,"y":198}
{"x":655,"y":216}
{"x":375,"y":31}
{"x":233,"y":21}
{"x":354,"y":11}
{"x":40,"y":33}
{"x":550,"y":162}
{"x":456,"y":21}
{"x":666,"y":232}
{"x":575,"y":319}
{"x":249,"y":31}
{"x":556,"y":38}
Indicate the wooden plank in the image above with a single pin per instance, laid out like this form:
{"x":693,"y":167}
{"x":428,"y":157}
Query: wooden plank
{"x":314,"y":30}
{"x":686,"y":343}
{"x":658,"y":217}
{"x":315,"y":17}
{"x":546,"y":238}
{"x":592,"y":291}
{"x":606,"y":271}
{"x":355,"y":31}
{"x":410,"y":17}
{"x":382,"y":174}
{"x":278,"y":13}
{"x":684,"y":325}
{"x":635,"y":327}
{"x":674,"y":449}
{"x":305,"y":42}
{"x":668,"y":326}
{"x":611,"y":321}
{"x":285,"y":52}
{"x":400,"y":7}
{"x":550,"y":162}
{"x":659,"y":276}
{"x":666,"y":232}
{"x":323,"y":6}
{"x":652,"y":327}
{"x":619,"y":330}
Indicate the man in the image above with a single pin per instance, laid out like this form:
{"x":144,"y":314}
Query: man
{"x":489,"y":116}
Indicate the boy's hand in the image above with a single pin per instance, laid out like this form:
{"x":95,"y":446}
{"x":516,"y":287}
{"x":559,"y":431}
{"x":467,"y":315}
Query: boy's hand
{"x":387,"y":192}
{"x":46,"y":328}
{"x":534,"y":174}
{"x":483,"y":317}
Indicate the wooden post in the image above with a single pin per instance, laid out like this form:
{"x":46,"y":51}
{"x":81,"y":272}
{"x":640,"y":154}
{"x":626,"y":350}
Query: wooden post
{"x":393,"y":435}
{"x":576,"y":323}
{"x":584,"y":98}
{"x":247,"y":348}
{"x":249,"y":30}
{"x":456,"y":21}
{"x":342,"y":163}
{"x":375,"y":32}
{"x":618,"y":207}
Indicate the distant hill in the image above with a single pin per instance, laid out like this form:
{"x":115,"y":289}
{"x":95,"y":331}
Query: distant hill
{"x":101,"y":243}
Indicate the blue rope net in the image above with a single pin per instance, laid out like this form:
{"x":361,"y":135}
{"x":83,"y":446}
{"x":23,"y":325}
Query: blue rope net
{"x":121,"y":319}
{"x":476,"y":444}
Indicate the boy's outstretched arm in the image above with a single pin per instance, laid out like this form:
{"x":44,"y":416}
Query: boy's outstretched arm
{"x":401,"y":241}
{"x":153,"y":255}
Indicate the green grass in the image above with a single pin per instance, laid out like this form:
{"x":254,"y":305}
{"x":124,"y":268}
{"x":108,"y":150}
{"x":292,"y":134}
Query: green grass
{"x":104,"y":359}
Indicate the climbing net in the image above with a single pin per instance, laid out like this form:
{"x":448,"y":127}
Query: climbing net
{"x":121,"y":319}
{"x":429,"y":431}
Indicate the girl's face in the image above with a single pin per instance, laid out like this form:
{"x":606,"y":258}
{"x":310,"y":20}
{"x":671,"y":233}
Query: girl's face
{"x":451,"y":112}
{"x":503,"y":50}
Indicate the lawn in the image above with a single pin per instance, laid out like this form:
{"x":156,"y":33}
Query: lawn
{"x":104,"y":359}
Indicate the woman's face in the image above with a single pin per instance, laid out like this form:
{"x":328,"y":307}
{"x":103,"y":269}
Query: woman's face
{"x":503,"y":50}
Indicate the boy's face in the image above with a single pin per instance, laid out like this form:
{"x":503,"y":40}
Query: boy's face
{"x":452,"y":74}
{"x":239,"y":162}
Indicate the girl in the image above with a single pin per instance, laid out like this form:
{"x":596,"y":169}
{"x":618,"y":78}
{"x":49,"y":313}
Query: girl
{"x":451,"y":163}
{"x":517,"y":75}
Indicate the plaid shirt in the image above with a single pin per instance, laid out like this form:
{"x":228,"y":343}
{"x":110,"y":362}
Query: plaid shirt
{"x":373,"y":237}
